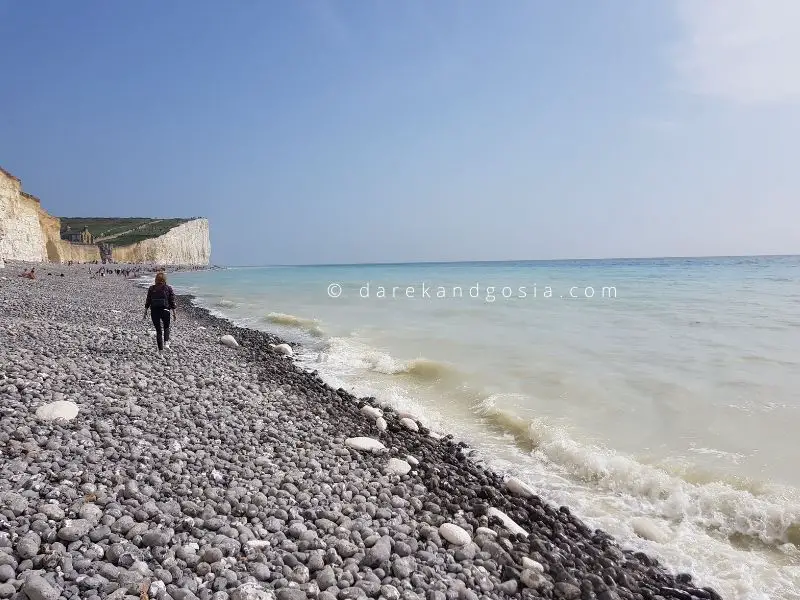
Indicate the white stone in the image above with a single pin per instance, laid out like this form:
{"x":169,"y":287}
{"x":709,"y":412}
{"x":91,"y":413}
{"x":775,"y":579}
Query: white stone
{"x":258,"y":543}
{"x":229,"y":341}
{"x":650,"y":530}
{"x":412,"y":460}
{"x":486,"y":531}
{"x":435,"y":436}
{"x":409,"y":423}
{"x":381,"y":424}
{"x":454,"y":534}
{"x":397,"y":466}
{"x":158,"y":589}
{"x":529,"y":563}
{"x":371,"y":411}
{"x":405,"y":415}
{"x":251,"y":591}
{"x":284,"y":349}
{"x":60,"y":409}
{"x":364,"y":443}
{"x":201,"y":328}
{"x":507,"y":521}
{"x":515,"y":486}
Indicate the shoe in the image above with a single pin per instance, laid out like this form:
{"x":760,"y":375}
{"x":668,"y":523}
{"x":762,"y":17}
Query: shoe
{"x":166,"y":345}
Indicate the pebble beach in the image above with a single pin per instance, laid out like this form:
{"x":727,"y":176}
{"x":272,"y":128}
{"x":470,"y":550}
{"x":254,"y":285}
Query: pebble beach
{"x":225,"y":470}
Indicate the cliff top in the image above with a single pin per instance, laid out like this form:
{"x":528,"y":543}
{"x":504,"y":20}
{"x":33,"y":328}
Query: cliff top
{"x":121,"y":231}
{"x":9,"y":175}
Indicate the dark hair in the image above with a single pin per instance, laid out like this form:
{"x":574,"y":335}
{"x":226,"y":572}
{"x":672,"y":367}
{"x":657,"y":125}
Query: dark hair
{"x":160,"y":278}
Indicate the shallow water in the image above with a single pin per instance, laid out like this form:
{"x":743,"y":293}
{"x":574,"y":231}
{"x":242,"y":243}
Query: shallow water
{"x":664,"y":389}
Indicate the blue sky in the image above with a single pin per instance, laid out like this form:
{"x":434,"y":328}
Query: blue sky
{"x":323,"y":132}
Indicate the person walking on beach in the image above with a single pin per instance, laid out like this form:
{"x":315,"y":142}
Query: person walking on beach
{"x":160,"y":300}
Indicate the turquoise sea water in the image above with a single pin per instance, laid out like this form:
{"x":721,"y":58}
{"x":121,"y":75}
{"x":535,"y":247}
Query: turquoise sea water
{"x":665,"y":390}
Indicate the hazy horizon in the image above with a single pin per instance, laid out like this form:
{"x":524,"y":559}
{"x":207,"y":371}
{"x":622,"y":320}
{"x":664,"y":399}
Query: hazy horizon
{"x":507,"y":260}
{"x":326,"y":132}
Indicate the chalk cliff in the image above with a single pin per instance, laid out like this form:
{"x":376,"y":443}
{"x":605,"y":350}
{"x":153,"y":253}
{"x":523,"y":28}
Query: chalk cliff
{"x":21,"y":234}
{"x":186,"y":244}
{"x":29,"y":233}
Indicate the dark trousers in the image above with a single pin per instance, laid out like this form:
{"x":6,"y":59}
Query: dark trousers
{"x":159,"y":316}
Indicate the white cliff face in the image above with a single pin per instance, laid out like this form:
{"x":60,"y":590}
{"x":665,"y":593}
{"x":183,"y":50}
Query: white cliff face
{"x":21,"y":235}
{"x":28,"y":233}
{"x":186,"y":244}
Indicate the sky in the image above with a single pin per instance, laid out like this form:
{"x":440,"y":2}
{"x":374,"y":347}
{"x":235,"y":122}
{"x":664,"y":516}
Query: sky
{"x":316,"y":131}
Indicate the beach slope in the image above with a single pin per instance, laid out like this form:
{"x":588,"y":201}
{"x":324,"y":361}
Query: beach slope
{"x":229,"y":472}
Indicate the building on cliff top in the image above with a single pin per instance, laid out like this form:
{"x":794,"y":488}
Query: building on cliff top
{"x":77,"y":237}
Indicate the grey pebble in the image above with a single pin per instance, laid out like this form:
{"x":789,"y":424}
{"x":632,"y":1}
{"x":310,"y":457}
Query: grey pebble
{"x":37,"y":587}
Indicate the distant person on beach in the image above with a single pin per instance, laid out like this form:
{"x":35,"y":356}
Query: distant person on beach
{"x":28,"y":274}
{"x":160,"y":300}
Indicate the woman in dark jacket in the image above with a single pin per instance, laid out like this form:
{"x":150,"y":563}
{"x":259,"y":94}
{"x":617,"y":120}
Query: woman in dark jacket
{"x":160,"y":301}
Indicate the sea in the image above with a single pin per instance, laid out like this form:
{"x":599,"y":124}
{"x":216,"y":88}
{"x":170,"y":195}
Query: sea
{"x":646,"y":394}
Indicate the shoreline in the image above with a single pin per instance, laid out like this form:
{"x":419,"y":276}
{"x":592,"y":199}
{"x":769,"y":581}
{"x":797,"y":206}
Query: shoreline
{"x":354,"y":526}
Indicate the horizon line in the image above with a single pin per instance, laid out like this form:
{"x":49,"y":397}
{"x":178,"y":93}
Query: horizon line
{"x":519,"y":260}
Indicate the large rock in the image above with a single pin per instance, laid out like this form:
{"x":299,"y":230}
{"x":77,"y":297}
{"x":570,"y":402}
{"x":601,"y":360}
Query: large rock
{"x":380,"y":553}
{"x":508,"y":522}
{"x":364,"y":444}
{"x":91,"y":512}
{"x":284,"y":349}
{"x":28,"y":545}
{"x":288,"y":593}
{"x":533,"y":579}
{"x":14,"y":502}
{"x":409,"y":424}
{"x":454,"y":534}
{"x":529,"y":563}
{"x":229,"y":341}
{"x":371,"y":411}
{"x":381,"y":424}
{"x":515,"y":486}
{"x":37,"y":587}
{"x":398,"y":467}
{"x":58,"y":410}
{"x":74,"y":529}
{"x":251,"y":591}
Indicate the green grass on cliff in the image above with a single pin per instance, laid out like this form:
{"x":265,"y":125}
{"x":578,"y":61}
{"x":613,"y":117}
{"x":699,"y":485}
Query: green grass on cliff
{"x":121,"y":231}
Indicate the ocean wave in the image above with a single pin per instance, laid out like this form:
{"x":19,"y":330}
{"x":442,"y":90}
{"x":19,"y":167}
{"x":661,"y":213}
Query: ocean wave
{"x":766,"y":513}
{"x":355,"y":355}
{"x":225,"y":303}
{"x":310,"y":326}
{"x":423,"y":369}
